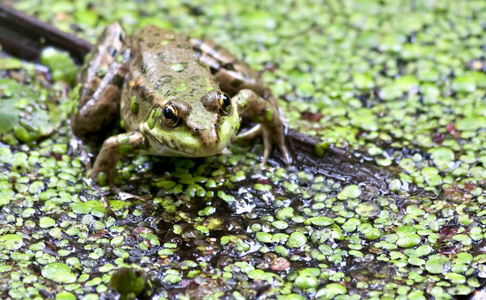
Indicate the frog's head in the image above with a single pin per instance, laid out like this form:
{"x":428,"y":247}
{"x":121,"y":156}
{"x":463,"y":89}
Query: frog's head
{"x":194,"y":128}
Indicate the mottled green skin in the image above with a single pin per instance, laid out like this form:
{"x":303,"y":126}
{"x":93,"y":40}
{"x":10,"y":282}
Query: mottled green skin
{"x":141,"y":76}
{"x":164,"y":68}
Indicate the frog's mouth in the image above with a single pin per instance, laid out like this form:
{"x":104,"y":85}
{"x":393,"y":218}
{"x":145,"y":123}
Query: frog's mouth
{"x":164,"y":150}
{"x":185,"y":144}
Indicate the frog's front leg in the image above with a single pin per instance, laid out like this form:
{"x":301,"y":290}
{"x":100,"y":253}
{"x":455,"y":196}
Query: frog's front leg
{"x":111,"y":152}
{"x":270,"y":124}
{"x":101,"y":80}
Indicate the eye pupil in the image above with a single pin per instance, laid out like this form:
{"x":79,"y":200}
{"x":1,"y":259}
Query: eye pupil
{"x":169,"y":113}
{"x":226,"y":100}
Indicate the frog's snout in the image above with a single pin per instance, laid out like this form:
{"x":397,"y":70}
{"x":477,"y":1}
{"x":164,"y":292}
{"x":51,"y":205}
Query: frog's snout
{"x":198,"y":129}
{"x":210,"y":140}
{"x":207,"y":134}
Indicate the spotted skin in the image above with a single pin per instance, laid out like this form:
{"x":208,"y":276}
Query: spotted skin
{"x":175,"y":96}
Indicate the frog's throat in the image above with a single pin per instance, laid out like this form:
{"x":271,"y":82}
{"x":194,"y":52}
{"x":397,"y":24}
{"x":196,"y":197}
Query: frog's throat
{"x":160,"y":148}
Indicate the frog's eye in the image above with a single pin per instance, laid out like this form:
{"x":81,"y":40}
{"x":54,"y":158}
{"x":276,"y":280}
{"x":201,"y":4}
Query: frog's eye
{"x":171,"y":115}
{"x":224,"y":104}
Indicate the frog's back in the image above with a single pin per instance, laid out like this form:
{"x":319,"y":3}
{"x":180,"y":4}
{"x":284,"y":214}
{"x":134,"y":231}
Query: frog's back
{"x":167,"y":45}
{"x":166,"y":61}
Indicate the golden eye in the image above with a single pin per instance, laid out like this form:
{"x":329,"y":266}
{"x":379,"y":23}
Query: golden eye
{"x":224,"y":104}
{"x":171,"y":115}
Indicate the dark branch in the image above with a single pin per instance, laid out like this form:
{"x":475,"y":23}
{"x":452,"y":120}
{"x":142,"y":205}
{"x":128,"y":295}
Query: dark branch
{"x":24,"y":36}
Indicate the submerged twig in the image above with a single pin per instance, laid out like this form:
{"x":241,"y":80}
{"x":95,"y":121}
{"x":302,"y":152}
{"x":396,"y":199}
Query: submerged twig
{"x":24,"y":36}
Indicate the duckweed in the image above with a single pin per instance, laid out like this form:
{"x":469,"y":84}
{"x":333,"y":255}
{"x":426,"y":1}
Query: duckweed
{"x":58,"y":272}
{"x":393,"y":182}
{"x":296,"y":240}
{"x":11,"y":241}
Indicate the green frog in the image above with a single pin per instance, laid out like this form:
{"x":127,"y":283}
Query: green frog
{"x":175,"y":95}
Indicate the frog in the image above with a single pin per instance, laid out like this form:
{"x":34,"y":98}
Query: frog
{"x":175,"y":96}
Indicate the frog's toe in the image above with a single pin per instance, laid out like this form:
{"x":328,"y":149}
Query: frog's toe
{"x":267,"y":144}
{"x":285,"y":154}
{"x":280,"y":141}
{"x":251,"y":133}
{"x":271,"y":138}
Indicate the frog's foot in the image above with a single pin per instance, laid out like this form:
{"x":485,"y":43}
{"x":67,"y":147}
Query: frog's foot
{"x":258,"y":130}
{"x":113,"y":148}
{"x":270,"y":124}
